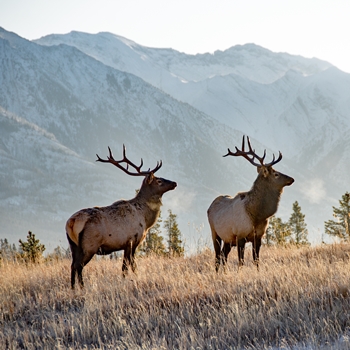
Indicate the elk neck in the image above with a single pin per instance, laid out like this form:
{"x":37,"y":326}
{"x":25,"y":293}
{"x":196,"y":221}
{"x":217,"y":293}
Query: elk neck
{"x":263,"y":200}
{"x":150,"y":206}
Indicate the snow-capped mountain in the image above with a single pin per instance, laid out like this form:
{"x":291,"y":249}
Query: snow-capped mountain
{"x":59,"y":107}
{"x":157,"y":65}
{"x":247,"y":87}
{"x":298,"y":105}
{"x":64,"y":98}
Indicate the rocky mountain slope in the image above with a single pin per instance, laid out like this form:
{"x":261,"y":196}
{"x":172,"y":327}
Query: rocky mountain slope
{"x":64,"y":98}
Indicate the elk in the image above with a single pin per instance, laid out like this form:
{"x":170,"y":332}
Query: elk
{"x":244,"y":217}
{"x":120,"y":226}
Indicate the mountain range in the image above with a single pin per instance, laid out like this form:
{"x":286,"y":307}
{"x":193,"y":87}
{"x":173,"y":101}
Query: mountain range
{"x":66,"y":98}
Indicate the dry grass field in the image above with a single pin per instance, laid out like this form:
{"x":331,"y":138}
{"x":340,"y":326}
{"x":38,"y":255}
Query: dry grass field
{"x":300,"y":299}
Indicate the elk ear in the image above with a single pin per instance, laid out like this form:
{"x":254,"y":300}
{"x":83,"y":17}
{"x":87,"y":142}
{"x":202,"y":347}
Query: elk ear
{"x":149,"y":178}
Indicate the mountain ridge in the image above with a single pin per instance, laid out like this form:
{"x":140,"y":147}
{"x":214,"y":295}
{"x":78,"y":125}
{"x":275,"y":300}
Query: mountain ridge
{"x":61,"y":103}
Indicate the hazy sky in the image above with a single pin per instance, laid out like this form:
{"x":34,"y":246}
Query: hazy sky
{"x":311,"y":28}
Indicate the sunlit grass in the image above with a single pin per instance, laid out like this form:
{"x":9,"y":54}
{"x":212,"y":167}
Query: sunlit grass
{"x":300,"y":297}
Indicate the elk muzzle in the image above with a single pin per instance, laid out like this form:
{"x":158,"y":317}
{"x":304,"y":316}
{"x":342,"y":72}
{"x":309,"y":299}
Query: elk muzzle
{"x":289,"y":181}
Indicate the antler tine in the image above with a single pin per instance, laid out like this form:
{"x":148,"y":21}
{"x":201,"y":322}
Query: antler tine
{"x":249,"y":145}
{"x":104,"y":160}
{"x":110,"y":153}
{"x":229,"y":153}
{"x":159,"y":165}
{"x":109,"y":159}
{"x":237,"y":153}
{"x":275,"y":161}
{"x":260,"y":159}
{"x":245,"y":154}
{"x":117,"y":163}
{"x":128,"y":162}
{"x":250,"y":155}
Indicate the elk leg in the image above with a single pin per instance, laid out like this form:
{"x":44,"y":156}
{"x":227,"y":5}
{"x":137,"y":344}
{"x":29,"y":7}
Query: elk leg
{"x":78,"y":264}
{"x":240,"y":245}
{"x":127,"y":260}
{"x":80,"y":275}
{"x":256,"y":250}
{"x":72,"y":276}
{"x":133,"y":261}
{"x":217,"y":241}
{"x":77,"y":257}
{"x":77,"y":268}
{"x":226,"y":250}
{"x":86,"y":258}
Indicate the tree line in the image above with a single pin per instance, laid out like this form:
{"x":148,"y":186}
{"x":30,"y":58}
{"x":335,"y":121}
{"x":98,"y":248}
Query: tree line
{"x":293,"y":232}
{"x":154,"y":243}
{"x":29,"y":251}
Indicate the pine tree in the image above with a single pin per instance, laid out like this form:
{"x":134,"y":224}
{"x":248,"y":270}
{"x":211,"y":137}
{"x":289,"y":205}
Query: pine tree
{"x":32,"y":250}
{"x":7,"y":252}
{"x":341,"y":226}
{"x":4,"y":247}
{"x":298,"y":226}
{"x":278,"y":231}
{"x":268,"y":238}
{"x":175,"y":246}
{"x":59,"y":253}
{"x":153,"y":243}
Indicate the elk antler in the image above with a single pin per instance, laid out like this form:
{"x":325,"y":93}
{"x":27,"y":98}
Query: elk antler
{"x":251,"y":155}
{"x":117,"y":163}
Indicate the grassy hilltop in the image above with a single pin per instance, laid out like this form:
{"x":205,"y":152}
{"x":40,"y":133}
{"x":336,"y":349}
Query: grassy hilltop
{"x":299,"y":298}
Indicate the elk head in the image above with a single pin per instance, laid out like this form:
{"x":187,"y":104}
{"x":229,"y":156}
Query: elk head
{"x":265,"y":170}
{"x":151,"y":184}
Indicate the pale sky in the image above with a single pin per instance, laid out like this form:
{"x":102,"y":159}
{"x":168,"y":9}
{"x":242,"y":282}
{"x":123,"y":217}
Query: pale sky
{"x":310,"y":28}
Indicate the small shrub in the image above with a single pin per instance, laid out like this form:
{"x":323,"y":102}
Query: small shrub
{"x":32,"y":250}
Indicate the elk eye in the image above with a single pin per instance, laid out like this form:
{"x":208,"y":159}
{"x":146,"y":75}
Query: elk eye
{"x":159,"y":182}
{"x":277,"y":174}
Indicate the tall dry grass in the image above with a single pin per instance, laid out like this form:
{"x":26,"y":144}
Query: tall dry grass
{"x":300,"y":298}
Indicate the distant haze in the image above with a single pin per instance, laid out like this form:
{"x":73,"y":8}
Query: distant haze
{"x":301,"y":27}
{"x":64,"y":98}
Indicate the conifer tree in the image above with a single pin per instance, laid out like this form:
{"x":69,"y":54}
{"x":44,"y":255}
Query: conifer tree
{"x":175,"y":245}
{"x":59,"y":253}
{"x":7,"y":252}
{"x":297,"y":226}
{"x":268,"y":238}
{"x":278,"y":231}
{"x":153,"y":243}
{"x":340,"y":227}
{"x":32,"y":250}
